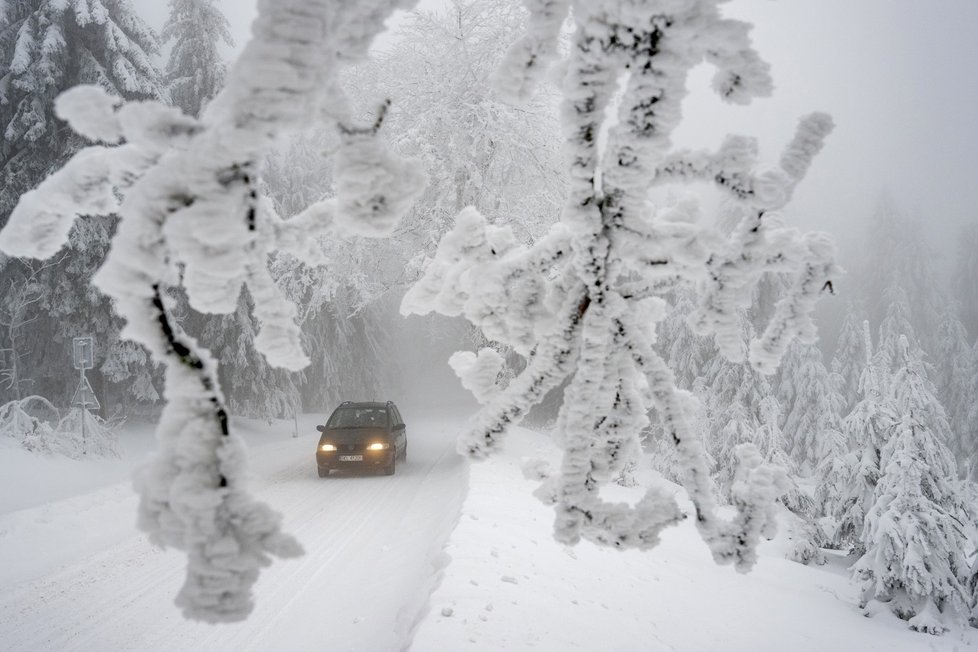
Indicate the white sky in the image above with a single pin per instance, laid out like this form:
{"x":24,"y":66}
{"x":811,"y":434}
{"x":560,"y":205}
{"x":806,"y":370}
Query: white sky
{"x":898,"y":76}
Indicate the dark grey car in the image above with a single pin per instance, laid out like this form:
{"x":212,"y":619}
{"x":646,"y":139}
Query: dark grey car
{"x":362,"y":435}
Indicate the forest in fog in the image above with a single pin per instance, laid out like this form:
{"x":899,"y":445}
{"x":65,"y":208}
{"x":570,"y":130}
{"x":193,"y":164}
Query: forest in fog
{"x":874,"y":418}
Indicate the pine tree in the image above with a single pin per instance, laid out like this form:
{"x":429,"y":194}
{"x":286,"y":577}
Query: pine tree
{"x":813,"y":404}
{"x":685,"y":351}
{"x":850,"y":357}
{"x":899,"y":255}
{"x":195,"y":71}
{"x":969,"y":436}
{"x":954,"y":368}
{"x":914,"y":534}
{"x":963,"y":278}
{"x":47,"y":47}
{"x":897,"y":322}
{"x":866,"y":431}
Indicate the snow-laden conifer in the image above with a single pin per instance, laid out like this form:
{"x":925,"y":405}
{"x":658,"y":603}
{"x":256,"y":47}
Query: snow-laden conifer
{"x":969,"y":436}
{"x":583,"y":302}
{"x":190,"y":202}
{"x":47,"y":47}
{"x":195,"y":71}
{"x":954,"y":368}
{"x":962,"y":279}
{"x":897,"y":322}
{"x":914,"y":534}
{"x":866,"y":428}
{"x":850,"y":358}
{"x":813,"y":414}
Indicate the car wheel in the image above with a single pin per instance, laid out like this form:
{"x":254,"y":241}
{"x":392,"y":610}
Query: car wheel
{"x":389,"y":469}
{"x":323,"y":473}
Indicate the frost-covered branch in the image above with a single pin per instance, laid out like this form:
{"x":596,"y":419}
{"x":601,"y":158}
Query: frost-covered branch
{"x":585,"y":301}
{"x":190,"y":212}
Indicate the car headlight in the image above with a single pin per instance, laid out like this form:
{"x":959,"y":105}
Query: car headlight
{"x":378,"y":446}
{"x":327,"y":447}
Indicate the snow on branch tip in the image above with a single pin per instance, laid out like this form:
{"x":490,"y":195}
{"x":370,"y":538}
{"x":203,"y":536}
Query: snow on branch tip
{"x":583,"y":303}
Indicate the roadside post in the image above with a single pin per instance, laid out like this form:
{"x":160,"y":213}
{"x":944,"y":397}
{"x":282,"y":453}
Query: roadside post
{"x":83,"y":357}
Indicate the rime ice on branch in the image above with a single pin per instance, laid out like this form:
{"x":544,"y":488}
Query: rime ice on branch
{"x":583,"y":303}
{"x":190,"y":207}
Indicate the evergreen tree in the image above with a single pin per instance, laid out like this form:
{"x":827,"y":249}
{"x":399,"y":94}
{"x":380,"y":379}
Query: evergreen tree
{"x":964,"y":287}
{"x":813,"y":404}
{"x":195,"y":71}
{"x":850,"y":357}
{"x":969,"y":436}
{"x":866,"y":430}
{"x":914,"y":534}
{"x":954,"y":368}
{"x":914,"y":540}
{"x":46,"y":47}
{"x":686,"y":351}
{"x":899,"y":255}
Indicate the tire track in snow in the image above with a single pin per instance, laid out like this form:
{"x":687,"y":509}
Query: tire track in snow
{"x":369,"y":546}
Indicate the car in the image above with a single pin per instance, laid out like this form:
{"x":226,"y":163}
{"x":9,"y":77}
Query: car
{"x":362,"y":435}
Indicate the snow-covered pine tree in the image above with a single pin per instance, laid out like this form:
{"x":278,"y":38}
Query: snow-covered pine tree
{"x":813,"y":412}
{"x":850,"y":358}
{"x":914,"y":534}
{"x":969,"y":437}
{"x":739,"y":404}
{"x":898,"y":254}
{"x":47,"y":47}
{"x":954,"y":367}
{"x":686,"y":352}
{"x":583,"y":303}
{"x":897,"y":322}
{"x":867,"y":429}
{"x":254,"y":388}
{"x":195,"y":71}
{"x":189,"y":200}
{"x":965,"y":272}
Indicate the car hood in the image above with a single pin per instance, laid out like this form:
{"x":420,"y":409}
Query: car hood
{"x":353,"y":435}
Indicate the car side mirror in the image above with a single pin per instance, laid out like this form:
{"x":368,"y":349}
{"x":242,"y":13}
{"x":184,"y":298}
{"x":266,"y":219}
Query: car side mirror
{"x":321,"y":428}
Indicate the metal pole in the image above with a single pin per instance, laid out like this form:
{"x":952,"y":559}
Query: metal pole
{"x":295,"y":419}
{"x":81,"y":412}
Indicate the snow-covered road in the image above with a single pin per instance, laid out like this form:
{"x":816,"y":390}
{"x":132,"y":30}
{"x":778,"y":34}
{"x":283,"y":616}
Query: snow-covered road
{"x":77,"y":575}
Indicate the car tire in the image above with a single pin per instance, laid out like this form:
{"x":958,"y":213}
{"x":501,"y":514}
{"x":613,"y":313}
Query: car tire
{"x":323,"y":473}
{"x":389,"y":469}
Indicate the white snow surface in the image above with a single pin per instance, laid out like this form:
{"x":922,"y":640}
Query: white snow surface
{"x":78,"y":575}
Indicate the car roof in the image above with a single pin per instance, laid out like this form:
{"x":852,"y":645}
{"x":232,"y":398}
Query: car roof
{"x":364,"y":404}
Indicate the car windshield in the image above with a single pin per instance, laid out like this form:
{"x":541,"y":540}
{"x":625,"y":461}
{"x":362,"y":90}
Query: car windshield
{"x":354,"y":417}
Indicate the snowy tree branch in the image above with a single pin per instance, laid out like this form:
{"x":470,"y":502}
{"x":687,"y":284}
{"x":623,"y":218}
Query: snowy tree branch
{"x":590,"y":313}
{"x":190,"y":205}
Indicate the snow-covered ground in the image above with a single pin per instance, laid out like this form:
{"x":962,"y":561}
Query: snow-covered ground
{"x":77,"y":575}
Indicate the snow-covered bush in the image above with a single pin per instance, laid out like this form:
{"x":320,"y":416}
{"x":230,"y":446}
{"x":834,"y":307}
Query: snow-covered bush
{"x":190,"y":213}
{"x":584,"y":301}
{"x":31,"y":422}
{"x":38,"y":427}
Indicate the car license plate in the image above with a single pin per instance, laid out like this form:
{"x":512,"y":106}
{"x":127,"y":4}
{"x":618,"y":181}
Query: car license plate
{"x":351,"y":458}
